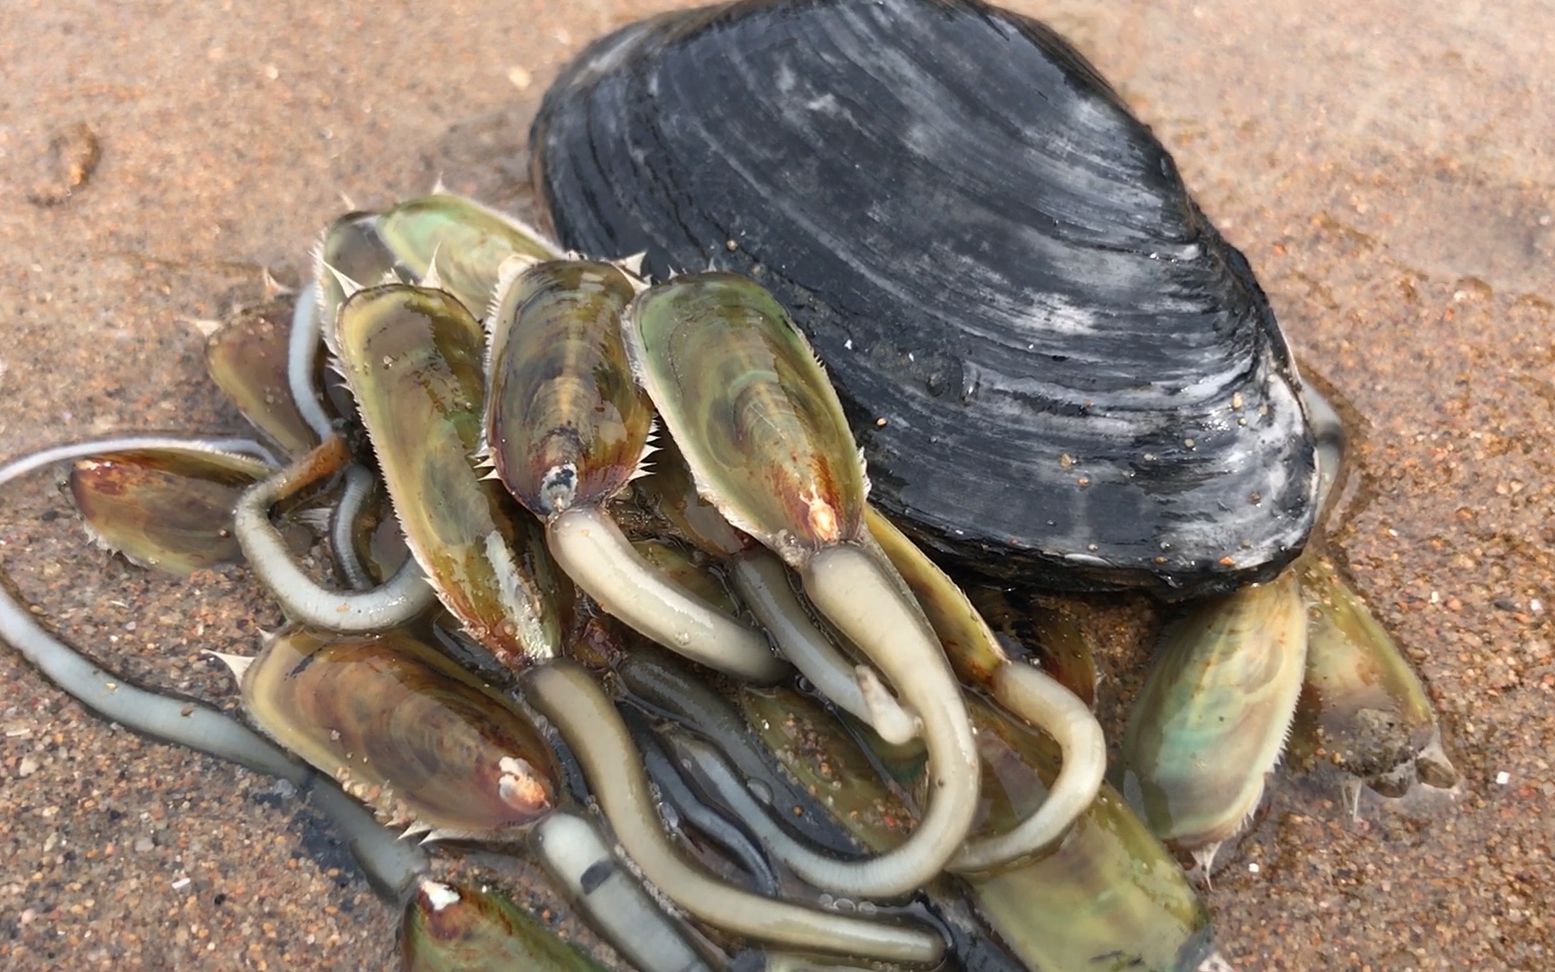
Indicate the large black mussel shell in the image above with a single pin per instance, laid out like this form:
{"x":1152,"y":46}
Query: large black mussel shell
{"x":1059,"y":370}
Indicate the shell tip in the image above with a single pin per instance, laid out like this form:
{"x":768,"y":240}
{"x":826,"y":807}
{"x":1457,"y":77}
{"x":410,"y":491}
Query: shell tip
{"x":433,"y":280}
{"x":348,"y":286}
{"x":1214,"y":962}
{"x":273,"y":287}
{"x":237,"y":664}
{"x":205,"y":326}
{"x":1204,"y":858}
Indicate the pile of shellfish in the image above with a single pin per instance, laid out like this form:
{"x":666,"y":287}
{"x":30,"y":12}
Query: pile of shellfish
{"x":645,"y":539}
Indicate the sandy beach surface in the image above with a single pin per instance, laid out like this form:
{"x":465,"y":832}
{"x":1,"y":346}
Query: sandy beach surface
{"x":1388,"y":167}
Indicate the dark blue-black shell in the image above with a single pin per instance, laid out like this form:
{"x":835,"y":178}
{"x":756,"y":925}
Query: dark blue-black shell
{"x":1057,"y":368}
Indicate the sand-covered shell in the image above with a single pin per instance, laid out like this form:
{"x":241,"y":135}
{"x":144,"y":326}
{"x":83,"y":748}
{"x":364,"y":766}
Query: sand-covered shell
{"x":1058,"y":369}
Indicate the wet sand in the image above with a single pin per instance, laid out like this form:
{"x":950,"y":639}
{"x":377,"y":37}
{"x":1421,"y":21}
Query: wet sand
{"x":1388,"y":170}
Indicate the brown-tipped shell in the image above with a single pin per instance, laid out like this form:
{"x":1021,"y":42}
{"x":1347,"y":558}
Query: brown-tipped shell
{"x":247,"y":358}
{"x":1214,"y":713}
{"x":1361,"y":704}
{"x":757,"y":420}
{"x":404,"y":729}
{"x":413,"y":358}
{"x":166,"y":509}
{"x":566,"y":423}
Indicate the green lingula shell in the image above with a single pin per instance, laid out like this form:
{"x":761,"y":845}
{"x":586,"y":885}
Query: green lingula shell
{"x":413,"y":359}
{"x":1214,"y":713}
{"x":404,"y":729}
{"x":247,"y":358}
{"x":752,"y":410}
{"x":1362,"y":704}
{"x":461,"y":928}
{"x":471,"y":243}
{"x":566,"y":422}
{"x":824,"y":758}
{"x":165,"y":508}
{"x":1108,"y":897}
{"x":1109,"y":888}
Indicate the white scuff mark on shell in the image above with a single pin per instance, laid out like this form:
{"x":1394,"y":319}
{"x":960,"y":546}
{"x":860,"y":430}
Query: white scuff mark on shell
{"x":439,"y":895}
{"x":1055,"y":313}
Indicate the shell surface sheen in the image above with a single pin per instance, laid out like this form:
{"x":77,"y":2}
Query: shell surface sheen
{"x":1058,"y":369}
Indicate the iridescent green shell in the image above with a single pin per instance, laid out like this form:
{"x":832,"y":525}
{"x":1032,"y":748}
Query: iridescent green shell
{"x":403,"y":728}
{"x":165,"y":508}
{"x":752,"y":410}
{"x":1213,"y":715}
{"x":566,"y":423}
{"x":247,"y":358}
{"x":462,"y":928}
{"x":1108,"y":888}
{"x":471,"y":243}
{"x":413,"y":359}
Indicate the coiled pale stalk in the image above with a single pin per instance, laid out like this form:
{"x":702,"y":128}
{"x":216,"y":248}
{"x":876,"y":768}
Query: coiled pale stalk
{"x":1026,"y":692}
{"x":762,"y":582}
{"x":566,"y":695}
{"x":400,"y":600}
